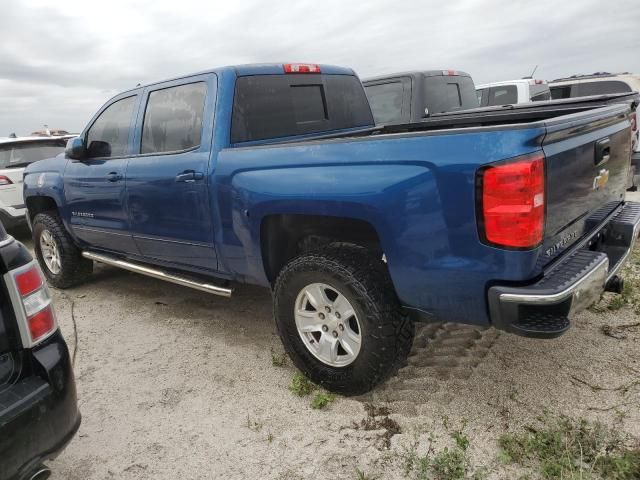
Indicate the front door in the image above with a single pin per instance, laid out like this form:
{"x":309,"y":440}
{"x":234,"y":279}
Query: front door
{"x":167,"y":181}
{"x":95,"y":187}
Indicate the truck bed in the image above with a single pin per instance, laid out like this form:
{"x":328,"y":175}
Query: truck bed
{"x":514,"y":114}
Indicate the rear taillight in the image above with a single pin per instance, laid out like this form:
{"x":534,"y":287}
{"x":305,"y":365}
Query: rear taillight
{"x":4,"y":180}
{"x":449,"y":73}
{"x":633,"y":118}
{"x":32,"y":304}
{"x":512,"y":202}
{"x":301,"y":68}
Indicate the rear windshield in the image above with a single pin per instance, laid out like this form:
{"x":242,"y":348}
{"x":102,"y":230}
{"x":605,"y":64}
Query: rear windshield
{"x":446,"y":93}
{"x":503,"y":95}
{"x":273,"y":106}
{"x":585,"y":89}
{"x":16,"y":155}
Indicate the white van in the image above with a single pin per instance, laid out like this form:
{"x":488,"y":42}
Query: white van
{"x":511,"y":92}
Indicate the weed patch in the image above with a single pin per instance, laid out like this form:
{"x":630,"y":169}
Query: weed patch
{"x":563,"y":448}
{"x":278,"y":359}
{"x":321,"y":400}
{"x":301,"y":385}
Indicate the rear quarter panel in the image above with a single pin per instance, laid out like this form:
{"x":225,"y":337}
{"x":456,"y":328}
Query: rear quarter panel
{"x":416,"y":190}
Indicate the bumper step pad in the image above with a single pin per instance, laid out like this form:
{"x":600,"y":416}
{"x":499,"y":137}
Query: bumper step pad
{"x":543,"y":309}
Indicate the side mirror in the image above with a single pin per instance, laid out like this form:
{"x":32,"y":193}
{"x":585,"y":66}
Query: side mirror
{"x":75,"y":149}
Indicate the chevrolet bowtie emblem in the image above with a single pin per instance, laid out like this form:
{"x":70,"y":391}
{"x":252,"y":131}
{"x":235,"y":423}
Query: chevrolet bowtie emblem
{"x":601,"y":179}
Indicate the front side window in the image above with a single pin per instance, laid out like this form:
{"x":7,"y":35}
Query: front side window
{"x":505,"y":95}
{"x":386,"y":101}
{"x":173,"y":118}
{"x":109,"y":134}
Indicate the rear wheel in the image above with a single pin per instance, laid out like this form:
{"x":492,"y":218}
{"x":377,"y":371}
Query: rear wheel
{"x":60,"y":260}
{"x":340,"y":320}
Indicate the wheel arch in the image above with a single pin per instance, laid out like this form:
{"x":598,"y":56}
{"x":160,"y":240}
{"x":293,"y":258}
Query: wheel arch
{"x":284,"y":236}
{"x":40,"y":203}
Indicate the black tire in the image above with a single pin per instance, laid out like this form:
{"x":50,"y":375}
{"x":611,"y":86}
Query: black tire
{"x":74,"y":267}
{"x":386,"y":333}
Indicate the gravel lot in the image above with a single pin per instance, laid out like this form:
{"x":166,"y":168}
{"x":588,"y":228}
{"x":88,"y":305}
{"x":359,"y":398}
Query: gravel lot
{"x":175,"y":383}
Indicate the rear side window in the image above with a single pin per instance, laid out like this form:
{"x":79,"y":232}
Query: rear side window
{"x":446,"y":93}
{"x":560,"y":92}
{"x":21,"y":154}
{"x":386,"y":101}
{"x":539,"y":93}
{"x":599,"y":88}
{"x":109,"y":134}
{"x":273,"y":106}
{"x":173,"y":118}
{"x":504,"y":95}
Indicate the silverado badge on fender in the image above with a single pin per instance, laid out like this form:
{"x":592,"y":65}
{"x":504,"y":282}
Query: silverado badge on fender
{"x":601,"y":179}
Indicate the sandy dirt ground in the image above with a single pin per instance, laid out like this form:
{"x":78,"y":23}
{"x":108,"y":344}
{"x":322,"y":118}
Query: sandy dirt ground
{"x":174,"y":383}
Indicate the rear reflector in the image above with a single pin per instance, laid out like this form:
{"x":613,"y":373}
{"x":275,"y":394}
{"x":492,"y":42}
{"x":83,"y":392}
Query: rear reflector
{"x":4,"y":180}
{"x":32,"y":304}
{"x":301,"y":68}
{"x":41,"y":324}
{"x":512,"y":199}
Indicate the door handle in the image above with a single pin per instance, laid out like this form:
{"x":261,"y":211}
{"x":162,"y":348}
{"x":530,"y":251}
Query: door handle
{"x":189,"y":176}
{"x":114,"y":176}
{"x":603,"y":151}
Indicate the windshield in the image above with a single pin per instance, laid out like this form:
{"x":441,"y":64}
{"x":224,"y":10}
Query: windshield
{"x":20,"y":154}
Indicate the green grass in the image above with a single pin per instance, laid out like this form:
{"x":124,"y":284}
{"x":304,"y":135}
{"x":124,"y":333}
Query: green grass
{"x":301,"y":385}
{"x":617,"y":302}
{"x":278,"y":359}
{"x":360,"y":475}
{"x":321,"y":400}
{"x":563,"y":448}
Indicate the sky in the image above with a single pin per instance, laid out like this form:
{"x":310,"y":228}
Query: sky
{"x":60,"y":61}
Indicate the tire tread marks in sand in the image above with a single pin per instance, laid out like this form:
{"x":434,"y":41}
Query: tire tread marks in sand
{"x":441,"y":353}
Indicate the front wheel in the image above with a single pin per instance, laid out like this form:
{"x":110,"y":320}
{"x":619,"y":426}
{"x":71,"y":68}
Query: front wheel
{"x":60,"y":260}
{"x":340,"y":320}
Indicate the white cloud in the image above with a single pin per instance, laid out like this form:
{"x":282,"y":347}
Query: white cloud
{"x":60,"y":62}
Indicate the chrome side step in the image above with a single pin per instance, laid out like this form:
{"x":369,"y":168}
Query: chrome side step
{"x":152,"y":272}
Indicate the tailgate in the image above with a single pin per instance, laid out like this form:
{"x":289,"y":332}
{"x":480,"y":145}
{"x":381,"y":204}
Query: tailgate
{"x":587,"y":164}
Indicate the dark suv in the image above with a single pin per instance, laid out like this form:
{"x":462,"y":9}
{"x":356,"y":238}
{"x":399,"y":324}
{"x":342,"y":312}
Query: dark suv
{"x":38,"y":407}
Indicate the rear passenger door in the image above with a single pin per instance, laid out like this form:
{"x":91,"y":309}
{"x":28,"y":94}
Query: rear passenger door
{"x":167,"y":179}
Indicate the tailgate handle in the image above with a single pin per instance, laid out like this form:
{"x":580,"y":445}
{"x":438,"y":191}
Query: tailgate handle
{"x":603,"y":151}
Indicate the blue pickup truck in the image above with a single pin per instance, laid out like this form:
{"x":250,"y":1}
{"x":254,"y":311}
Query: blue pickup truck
{"x":276,"y":175}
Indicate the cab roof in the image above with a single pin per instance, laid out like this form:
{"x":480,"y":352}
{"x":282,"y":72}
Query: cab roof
{"x":252,"y":69}
{"x":417,"y":73}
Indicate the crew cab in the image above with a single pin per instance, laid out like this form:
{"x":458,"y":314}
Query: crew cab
{"x":275,"y":175}
{"x":38,"y":408}
{"x":411,"y":96}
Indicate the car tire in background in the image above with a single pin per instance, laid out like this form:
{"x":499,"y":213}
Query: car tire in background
{"x":340,"y":320}
{"x":60,"y":260}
